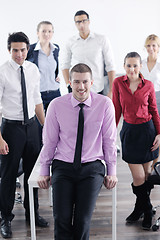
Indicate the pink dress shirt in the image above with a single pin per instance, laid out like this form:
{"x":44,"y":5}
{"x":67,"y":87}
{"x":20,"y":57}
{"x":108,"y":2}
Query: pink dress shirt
{"x":60,"y":131}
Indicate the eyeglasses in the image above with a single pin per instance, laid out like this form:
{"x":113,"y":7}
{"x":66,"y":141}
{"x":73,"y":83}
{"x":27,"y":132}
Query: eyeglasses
{"x":82,"y":21}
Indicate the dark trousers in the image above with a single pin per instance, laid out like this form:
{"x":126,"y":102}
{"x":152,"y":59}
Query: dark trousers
{"x":23,"y":142}
{"x":74,"y":198}
{"x":48,"y":96}
{"x":101,"y":92}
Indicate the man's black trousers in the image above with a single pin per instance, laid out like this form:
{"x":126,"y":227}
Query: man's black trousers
{"x":23,"y":142}
{"x":74,"y":198}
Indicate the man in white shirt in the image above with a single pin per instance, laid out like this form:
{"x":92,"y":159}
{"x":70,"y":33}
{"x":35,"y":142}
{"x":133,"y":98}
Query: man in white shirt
{"x":20,"y":100}
{"x":92,"y":49}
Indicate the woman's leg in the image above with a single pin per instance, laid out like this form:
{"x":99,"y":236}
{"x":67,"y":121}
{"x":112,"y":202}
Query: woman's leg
{"x":147,"y":169}
{"x":148,"y":213}
{"x":141,"y":189}
{"x":138,"y":175}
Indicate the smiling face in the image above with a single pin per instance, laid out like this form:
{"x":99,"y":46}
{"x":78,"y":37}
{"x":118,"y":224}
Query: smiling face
{"x":18,"y":52}
{"x":132,"y":67}
{"x":81,"y":84}
{"x":152,"y":48}
{"x":45,"y":33}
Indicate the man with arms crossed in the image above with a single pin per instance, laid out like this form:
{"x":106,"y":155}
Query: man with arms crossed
{"x":20,"y":100}
{"x":77,"y":169}
{"x":92,"y":49}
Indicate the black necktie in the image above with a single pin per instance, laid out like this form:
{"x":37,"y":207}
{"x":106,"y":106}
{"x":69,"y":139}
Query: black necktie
{"x":78,"y":149}
{"x":24,"y":96}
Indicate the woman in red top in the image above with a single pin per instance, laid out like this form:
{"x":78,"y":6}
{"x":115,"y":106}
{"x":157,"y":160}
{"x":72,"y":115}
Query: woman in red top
{"x":134,"y":97}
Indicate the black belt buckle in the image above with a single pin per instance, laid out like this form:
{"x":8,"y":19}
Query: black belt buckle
{"x":29,"y":121}
{"x":24,"y":123}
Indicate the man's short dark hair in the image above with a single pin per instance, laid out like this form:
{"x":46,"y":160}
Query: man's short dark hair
{"x":80,"y":68}
{"x":81,"y":12}
{"x":17,"y":37}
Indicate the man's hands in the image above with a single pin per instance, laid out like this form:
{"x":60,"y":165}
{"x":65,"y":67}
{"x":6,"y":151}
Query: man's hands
{"x":58,"y":79}
{"x":44,"y":182}
{"x":4,"y":149}
{"x":110,"y":181}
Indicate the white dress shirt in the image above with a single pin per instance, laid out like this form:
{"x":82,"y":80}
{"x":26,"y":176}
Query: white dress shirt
{"x":11,"y":93}
{"x":95,"y":51}
{"x":153,"y":75}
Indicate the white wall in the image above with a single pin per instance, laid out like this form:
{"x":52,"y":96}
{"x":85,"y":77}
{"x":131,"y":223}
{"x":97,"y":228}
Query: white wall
{"x":126,"y":22}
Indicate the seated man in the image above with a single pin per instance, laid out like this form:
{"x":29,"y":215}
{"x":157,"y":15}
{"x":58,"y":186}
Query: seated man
{"x":77,"y":168}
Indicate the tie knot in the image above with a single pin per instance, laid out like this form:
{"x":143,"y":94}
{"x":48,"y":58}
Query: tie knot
{"x":81,"y":105}
{"x":21,"y":67}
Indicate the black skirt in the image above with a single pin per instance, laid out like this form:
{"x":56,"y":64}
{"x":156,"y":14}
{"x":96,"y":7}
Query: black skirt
{"x":137,"y":140}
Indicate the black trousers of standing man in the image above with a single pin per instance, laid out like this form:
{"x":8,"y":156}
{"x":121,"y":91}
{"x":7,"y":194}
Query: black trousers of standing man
{"x":74,"y":197}
{"x":23,"y":142}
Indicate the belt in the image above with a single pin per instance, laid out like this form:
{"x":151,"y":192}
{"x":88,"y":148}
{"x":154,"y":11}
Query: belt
{"x":49,"y":91}
{"x":31,"y":120}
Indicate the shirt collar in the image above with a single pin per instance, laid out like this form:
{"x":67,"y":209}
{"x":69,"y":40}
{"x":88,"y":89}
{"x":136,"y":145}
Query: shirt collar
{"x":158,"y":60}
{"x":125,"y":78}
{"x":75,"y":102}
{"x":91,"y":35}
{"x":38,"y":46}
{"x":15,"y":65}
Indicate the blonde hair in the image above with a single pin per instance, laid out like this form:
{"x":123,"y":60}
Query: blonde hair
{"x":154,"y":38}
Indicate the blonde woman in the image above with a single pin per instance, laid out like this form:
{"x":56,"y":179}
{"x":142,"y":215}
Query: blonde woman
{"x":151,"y":67}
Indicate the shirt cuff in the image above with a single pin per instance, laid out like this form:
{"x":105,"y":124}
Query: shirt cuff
{"x":45,"y":170}
{"x":111,"y":170}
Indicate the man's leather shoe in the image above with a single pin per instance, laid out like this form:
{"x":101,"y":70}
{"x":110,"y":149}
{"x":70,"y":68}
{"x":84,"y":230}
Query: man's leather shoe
{"x":6,"y":231}
{"x":39,"y":221}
